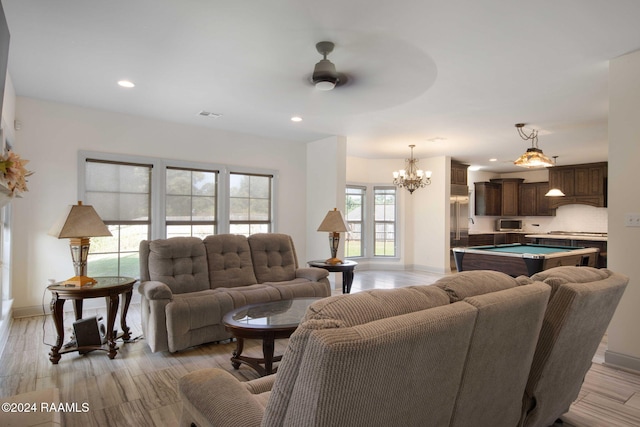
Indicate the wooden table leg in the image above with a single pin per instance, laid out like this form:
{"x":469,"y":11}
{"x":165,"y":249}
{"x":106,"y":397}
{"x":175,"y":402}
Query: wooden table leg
{"x":268,"y":346}
{"x":57,"y":305}
{"x":347,"y":281}
{"x":123,"y":316}
{"x":77,"y":308}
{"x":235,"y":359}
{"x":112,"y":309}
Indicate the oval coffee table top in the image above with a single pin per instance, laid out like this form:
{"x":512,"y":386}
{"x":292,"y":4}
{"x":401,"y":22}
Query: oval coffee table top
{"x":284,"y":314}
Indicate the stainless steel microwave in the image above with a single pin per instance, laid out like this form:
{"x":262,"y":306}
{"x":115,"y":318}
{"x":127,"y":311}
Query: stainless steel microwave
{"x":504,"y":224}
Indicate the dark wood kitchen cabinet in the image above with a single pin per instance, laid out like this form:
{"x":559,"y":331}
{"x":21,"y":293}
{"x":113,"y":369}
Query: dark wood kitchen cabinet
{"x":533,"y":201}
{"x":582,"y":184}
{"x":511,"y":196}
{"x":499,"y":197}
{"x":488,"y":198}
{"x":459,"y":173}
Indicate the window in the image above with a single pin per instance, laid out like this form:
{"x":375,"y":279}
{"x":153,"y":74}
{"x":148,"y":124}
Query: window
{"x":355,"y":203}
{"x":121,"y":194}
{"x":249,"y":203}
{"x":384,"y":217}
{"x":143,"y":198}
{"x":190,"y":203}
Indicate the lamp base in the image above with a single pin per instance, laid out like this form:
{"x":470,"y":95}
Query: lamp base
{"x":333,"y":261}
{"x":80,"y":281}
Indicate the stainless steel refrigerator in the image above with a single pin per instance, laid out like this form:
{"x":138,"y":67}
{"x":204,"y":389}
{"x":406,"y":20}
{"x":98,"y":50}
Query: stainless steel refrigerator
{"x":459,"y":218}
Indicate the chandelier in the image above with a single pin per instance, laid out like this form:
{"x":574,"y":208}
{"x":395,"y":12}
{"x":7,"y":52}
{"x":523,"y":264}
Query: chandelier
{"x":534,"y":157}
{"x":411,"y":178}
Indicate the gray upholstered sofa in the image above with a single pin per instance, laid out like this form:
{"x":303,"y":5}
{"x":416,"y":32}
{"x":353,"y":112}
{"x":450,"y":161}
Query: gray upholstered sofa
{"x":478,"y":348}
{"x":188,"y":284}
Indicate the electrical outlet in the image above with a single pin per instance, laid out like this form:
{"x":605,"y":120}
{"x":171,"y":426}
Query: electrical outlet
{"x":632,"y":220}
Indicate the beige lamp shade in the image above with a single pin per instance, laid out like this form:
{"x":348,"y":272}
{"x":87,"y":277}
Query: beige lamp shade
{"x":334,"y":222}
{"x":79,"y":221}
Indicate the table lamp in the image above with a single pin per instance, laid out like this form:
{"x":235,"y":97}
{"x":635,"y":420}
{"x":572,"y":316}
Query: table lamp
{"x":335,"y":224}
{"x":79,"y":224}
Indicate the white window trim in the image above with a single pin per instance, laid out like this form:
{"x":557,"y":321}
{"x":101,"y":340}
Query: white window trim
{"x":364,"y":233}
{"x":369,"y":223}
{"x":158,"y":185}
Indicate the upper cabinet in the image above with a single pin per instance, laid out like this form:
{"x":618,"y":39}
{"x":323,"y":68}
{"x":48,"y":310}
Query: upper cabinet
{"x":458,"y":173}
{"x":488,"y":198}
{"x":533,"y":201}
{"x":582,"y":184}
{"x":498,"y":197}
{"x":512,"y":197}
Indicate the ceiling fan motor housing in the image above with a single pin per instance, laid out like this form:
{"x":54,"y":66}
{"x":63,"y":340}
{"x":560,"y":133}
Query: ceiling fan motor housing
{"x":325,"y":76}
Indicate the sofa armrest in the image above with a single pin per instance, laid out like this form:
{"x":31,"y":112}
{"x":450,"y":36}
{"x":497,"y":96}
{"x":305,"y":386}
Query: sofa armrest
{"x":153,"y":290}
{"x":208,"y":395}
{"x":260,"y":385}
{"x":313,"y":274}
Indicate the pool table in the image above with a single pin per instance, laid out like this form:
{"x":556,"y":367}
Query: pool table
{"x":522,"y":259}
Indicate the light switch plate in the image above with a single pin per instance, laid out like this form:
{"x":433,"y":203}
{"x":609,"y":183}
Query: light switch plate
{"x":632,"y":220}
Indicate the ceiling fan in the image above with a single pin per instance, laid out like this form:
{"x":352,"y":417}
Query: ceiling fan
{"x":325,"y":77}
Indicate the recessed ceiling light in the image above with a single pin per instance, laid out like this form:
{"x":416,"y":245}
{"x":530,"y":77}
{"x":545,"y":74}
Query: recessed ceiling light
{"x":493,"y":160}
{"x":209,"y":114}
{"x":126,"y":83}
{"x":296,"y":119}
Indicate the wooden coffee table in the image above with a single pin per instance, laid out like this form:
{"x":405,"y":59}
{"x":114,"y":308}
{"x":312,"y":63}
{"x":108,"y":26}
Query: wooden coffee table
{"x":266,"y":321}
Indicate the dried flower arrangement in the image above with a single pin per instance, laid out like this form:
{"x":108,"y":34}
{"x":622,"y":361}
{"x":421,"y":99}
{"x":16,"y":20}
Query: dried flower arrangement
{"x":13,"y":174}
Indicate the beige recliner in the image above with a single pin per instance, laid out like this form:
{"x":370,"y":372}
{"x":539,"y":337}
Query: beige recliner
{"x":415,"y":356}
{"x":582,"y":303}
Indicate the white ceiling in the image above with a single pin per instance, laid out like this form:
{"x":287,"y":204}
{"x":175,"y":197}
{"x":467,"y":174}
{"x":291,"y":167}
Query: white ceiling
{"x":450,"y":76}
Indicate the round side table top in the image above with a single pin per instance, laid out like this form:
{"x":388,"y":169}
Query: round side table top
{"x":104,"y":286}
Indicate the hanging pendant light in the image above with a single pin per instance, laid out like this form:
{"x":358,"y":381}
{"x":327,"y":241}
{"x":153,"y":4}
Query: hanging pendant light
{"x":554,"y":192}
{"x":411,"y":177}
{"x":533,"y":157}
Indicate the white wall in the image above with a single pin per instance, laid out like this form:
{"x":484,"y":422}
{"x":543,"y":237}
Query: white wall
{"x":326,"y":171}
{"x":430,"y":215}
{"x":51,"y":135}
{"x":624,"y":197}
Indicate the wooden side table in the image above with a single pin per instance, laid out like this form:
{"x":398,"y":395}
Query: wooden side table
{"x":108,"y":287}
{"x":346,"y":268}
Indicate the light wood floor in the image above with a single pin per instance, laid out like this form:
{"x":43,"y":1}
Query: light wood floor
{"x":138,"y":388}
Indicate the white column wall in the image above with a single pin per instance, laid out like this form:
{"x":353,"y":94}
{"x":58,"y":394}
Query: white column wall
{"x":624,"y":197}
{"x":430,"y":232}
{"x":326,"y":174}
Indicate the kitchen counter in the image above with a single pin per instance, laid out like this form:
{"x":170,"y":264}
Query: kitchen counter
{"x":595,"y":237}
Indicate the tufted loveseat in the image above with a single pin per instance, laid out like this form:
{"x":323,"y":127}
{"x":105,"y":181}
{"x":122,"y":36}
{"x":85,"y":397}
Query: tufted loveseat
{"x":188,"y":284}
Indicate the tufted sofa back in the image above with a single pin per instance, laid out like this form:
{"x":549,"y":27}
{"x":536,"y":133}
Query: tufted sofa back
{"x":179,"y":262}
{"x":229,"y":260}
{"x":274,"y":257}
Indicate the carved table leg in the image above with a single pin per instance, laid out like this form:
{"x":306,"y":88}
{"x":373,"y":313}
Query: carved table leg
{"x":237,"y":352}
{"x":112,"y":309}
{"x":123,"y":316}
{"x":58,"y":319}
